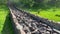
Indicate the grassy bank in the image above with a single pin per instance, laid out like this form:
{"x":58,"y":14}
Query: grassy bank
{"x":52,"y":13}
{"x":5,"y":22}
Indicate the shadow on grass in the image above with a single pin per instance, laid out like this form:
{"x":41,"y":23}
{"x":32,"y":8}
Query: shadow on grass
{"x":7,"y":28}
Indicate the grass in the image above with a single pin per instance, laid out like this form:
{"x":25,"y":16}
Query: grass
{"x":49,"y":14}
{"x":52,"y":13}
{"x":5,"y":22}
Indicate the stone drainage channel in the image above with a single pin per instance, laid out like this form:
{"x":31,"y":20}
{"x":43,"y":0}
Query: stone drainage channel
{"x":26,"y":23}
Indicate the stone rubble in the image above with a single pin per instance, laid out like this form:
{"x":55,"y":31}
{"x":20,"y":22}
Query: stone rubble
{"x":31,"y":26}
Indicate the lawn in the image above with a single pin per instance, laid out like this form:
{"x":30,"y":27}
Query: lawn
{"x":52,"y":13}
{"x":5,"y":22}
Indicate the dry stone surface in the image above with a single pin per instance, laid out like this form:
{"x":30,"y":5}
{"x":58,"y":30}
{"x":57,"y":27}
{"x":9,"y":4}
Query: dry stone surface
{"x":31,"y":26}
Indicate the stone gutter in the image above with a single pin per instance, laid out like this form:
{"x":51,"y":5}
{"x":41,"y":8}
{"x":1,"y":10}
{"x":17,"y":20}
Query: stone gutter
{"x":18,"y":28}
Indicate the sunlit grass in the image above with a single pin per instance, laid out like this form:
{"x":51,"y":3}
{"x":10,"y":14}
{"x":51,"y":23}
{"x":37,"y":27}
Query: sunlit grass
{"x":4,"y":11}
{"x":49,"y":14}
{"x":3,"y":14}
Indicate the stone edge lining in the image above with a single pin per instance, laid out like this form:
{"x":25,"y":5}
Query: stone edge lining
{"x":39,"y":19}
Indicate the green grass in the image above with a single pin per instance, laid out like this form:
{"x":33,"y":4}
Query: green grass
{"x":5,"y":22}
{"x":49,"y":14}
